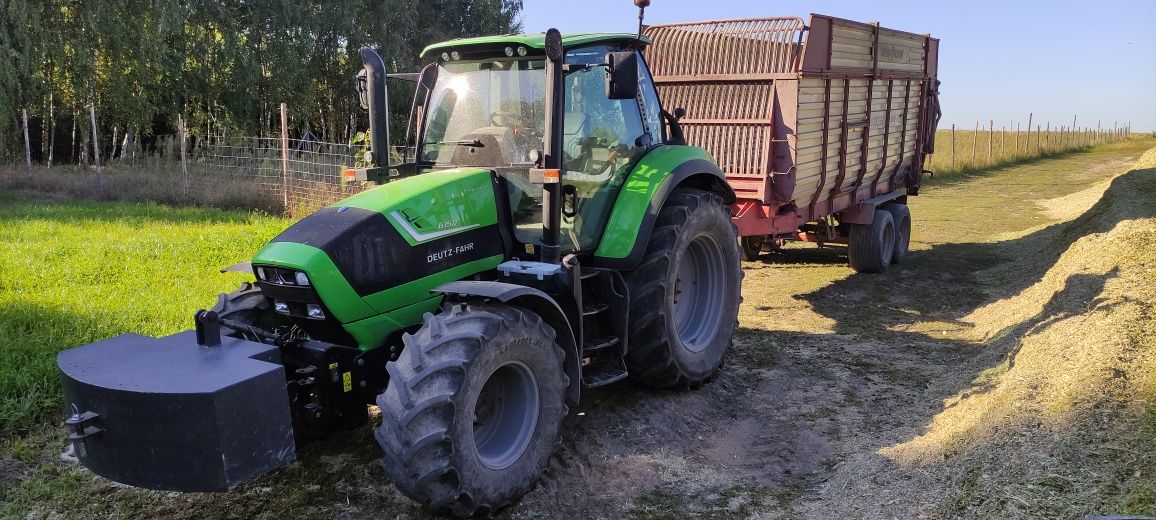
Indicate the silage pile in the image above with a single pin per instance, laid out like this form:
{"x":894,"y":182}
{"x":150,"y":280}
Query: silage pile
{"x":1061,"y":420}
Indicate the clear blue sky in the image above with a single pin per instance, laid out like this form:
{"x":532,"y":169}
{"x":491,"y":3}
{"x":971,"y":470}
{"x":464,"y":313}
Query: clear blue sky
{"x":997,"y":60}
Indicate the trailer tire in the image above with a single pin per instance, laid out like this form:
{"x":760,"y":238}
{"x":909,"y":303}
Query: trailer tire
{"x":901,"y":215}
{"x":684,"y":295}
{"x":473,"y":409}
{"x":752,"y":247}
{"x":870,"y":246}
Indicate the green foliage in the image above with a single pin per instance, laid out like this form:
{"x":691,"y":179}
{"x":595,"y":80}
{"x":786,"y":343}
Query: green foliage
{"x":225,"y":65}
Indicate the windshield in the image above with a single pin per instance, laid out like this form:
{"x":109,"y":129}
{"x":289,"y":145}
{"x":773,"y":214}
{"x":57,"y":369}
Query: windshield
{"x":489,"y":113}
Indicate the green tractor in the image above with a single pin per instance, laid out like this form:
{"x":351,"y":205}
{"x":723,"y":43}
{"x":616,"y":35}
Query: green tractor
{"x":547,"y":230}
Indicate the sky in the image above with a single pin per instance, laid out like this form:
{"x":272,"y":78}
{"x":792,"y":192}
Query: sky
{"x":998,"y":60}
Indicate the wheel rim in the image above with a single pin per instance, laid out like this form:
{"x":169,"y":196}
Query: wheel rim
{"x":699,"y":292}
{"x":506,"y":415}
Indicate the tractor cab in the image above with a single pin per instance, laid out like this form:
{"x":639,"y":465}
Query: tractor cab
{"x":483,"y":102}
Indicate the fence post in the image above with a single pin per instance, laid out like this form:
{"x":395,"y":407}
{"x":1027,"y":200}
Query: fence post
{"x":1028,"y":137}
{"x":974,"y":137}
{"x":27,"y":143}
{"x":1017,"y":148}
{"x":990,"y":138}
{"x":96,"y":149}
{"x":953,"y":147}
{"x":184,"y":161}
{"x":284,"y":157}
{"x":1003,"y":144}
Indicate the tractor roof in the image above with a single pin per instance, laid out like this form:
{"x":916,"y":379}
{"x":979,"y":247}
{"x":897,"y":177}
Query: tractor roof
{"x":535,"y":41}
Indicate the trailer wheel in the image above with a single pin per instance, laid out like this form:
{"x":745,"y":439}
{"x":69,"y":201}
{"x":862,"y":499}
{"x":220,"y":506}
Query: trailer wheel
{"x":752,"y":246}
{"x":901,"y":214}
{"x":473,"y":409}
{"x":684,"y":295}
{"x":871,"y":246}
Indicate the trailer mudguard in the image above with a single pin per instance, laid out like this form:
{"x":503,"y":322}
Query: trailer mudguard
{"x":534,"y":300}
{"x":653,"y":179}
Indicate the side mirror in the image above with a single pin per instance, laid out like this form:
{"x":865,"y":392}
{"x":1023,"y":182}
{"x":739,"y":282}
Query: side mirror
{"x":622,"y":75}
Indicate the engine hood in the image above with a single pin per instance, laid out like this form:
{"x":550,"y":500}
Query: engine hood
{"x":385,"y":248}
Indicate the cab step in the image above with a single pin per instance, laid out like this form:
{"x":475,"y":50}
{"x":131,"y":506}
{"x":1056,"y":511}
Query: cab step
{"x":603,"y":378}
{"x":599,"y":343}
{"x":590,"y":309}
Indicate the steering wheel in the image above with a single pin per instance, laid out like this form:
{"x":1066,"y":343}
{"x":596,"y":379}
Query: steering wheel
{"x":499,"y":117}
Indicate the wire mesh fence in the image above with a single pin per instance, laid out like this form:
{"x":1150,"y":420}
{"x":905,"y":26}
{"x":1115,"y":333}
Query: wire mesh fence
{"x":302,"y":174}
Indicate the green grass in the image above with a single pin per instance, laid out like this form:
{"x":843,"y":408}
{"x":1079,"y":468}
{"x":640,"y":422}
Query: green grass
{"x":974,"y":151}
{"x":75,"y":273}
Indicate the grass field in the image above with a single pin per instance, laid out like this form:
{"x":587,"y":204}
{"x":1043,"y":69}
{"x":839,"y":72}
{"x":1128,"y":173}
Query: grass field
{"x":1006,"y":371}
{"x":78,"y":272}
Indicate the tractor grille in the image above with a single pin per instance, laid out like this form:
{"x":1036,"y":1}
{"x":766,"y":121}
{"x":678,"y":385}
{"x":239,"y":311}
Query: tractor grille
{"x":291,"y":299}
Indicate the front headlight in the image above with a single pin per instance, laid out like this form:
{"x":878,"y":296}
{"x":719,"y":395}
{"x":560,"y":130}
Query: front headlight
{"x":301,"y":278}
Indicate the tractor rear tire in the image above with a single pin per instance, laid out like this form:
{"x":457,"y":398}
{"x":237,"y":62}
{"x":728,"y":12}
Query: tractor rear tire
{"x":870,"y":246}
{"x":684,"y":295}
{"x":901,"y":214}
{"x":473,"y":409}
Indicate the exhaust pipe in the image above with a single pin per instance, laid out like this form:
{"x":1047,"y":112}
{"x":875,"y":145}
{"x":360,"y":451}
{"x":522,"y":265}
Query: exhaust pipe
{"x":374,"y":97}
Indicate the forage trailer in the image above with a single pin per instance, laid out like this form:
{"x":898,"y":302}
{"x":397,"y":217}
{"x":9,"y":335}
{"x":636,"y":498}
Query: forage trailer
{"x":547,"y":229}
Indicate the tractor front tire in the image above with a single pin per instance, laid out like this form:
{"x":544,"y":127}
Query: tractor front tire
{"x":246,"y":305}
{"x":870,"y":247}
{"x":473,"y":409}
{"x":684,"y":295}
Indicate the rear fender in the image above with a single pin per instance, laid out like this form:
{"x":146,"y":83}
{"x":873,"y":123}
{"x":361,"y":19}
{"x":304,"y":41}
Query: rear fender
{"x":534,"y":300}
{"x":660,"y":172}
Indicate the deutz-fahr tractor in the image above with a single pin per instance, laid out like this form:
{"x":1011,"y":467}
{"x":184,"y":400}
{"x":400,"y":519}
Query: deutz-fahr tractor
{"x":545,"y":230}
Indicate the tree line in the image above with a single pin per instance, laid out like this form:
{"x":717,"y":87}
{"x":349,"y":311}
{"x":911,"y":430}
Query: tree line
{"x":223,"y":65}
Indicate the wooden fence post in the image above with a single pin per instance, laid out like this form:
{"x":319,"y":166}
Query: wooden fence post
{"x":184,"y":162}
{"x":51,"y":129}
{"x":1017,"y":148}
{"x":284,"y":157}
{"x":990,"y":138}
{"x":974,"y":136}
{"x":1003,"y":144}
{"x":1028,"y":137}
{"x":27,"y":143}
{"x":96,"y":149}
